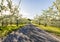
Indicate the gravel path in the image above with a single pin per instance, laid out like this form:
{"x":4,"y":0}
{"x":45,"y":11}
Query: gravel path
{"x":29,"y":33}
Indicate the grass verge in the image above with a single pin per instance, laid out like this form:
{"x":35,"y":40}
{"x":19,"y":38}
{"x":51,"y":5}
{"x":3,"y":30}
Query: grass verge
{"x":8,"y":29}
{"x":50,"y":29}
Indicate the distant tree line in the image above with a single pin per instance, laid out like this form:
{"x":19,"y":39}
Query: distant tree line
{"x":50,"y":16}
{"x":13,"y":16}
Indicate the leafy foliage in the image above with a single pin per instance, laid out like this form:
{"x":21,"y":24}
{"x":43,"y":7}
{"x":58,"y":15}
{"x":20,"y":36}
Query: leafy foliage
{"x":50,"y":16}
{"x":11,"y":20}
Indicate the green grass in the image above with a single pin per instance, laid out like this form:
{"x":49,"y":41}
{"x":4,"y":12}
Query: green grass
{"x":50,"y":29}
{"x":8,"y":29}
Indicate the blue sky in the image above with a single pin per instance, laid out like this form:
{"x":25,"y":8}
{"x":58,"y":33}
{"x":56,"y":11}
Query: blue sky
{"x":29,"y":8}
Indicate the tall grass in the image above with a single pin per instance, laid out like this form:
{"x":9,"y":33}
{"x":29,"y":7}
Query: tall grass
{"x":50,"y":29}
{"x":8,"y":29}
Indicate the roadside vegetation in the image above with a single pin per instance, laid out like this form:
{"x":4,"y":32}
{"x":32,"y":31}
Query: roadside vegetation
{"x":8,"y":29}
{"x":49,"y":20}
{"x":53,"y":30}
{"x":10,"y":17}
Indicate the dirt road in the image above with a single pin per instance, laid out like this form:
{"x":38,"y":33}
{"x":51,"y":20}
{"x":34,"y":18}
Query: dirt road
{"x":29,"y":33}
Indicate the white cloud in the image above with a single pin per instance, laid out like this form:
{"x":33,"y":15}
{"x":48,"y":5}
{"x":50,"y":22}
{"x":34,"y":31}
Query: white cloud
{"x":25,"y":14}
